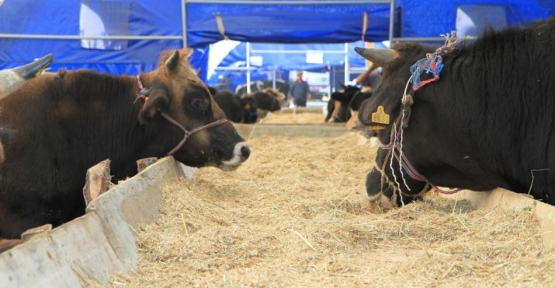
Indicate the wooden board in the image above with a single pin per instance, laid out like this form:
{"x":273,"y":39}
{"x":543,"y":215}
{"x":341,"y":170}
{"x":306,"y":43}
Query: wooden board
{"x":87,"y":250}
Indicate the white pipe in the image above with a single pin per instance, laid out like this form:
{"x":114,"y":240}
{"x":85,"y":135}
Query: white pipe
{"x":248,"y":67}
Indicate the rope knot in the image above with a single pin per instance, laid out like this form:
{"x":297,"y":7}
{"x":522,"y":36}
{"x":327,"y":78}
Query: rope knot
{"x":432,"y":63}
{"x":143,"y":92}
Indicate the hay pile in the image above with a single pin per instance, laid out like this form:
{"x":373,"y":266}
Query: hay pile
{"x":296,"y":215}
{"x":294,"y":118}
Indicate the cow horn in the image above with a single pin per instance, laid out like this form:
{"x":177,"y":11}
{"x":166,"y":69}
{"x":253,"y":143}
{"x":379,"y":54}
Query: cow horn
{"x":13,"y":79}
{"x":173,"y":61}
{"x":378,"y":56}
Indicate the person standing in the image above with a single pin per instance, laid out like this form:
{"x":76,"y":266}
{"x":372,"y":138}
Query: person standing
{"x":370,"y":79}
{"x":299,"y":91}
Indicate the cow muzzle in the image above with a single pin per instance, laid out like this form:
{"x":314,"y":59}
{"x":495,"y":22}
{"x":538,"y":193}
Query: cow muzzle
{"x":241,"y":153}
{"x":380,"y":188}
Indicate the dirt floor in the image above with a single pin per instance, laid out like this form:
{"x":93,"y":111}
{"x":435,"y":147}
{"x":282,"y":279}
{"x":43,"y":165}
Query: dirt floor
{"x":296,"y":215}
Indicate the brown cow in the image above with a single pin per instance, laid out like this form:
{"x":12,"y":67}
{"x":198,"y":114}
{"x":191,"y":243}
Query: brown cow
{"x":11,"y":80}
{"x":69,"y":121}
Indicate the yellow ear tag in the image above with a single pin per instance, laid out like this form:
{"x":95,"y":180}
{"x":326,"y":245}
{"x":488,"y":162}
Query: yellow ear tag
{"x":380,"y":117}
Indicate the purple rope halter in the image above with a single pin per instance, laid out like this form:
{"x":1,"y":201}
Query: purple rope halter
{"x":144,"y":93}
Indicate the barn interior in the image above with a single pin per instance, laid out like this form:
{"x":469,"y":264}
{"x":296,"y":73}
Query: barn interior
{"x":296,"y":214}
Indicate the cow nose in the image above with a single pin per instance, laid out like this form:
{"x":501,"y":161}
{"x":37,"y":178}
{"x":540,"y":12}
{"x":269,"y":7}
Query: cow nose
{"x":245,"y":152}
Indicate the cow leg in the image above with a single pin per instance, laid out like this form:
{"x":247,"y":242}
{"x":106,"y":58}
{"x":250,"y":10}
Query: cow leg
{"x":336,"y":111}
{"x":330,"y":108}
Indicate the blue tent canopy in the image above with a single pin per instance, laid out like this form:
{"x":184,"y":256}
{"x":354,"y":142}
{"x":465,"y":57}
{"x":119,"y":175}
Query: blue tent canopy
{"x":424,"y":18}
{"x":281,"y":23}
{"x":31,"y":29}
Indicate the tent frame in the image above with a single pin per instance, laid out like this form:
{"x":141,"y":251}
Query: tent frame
{"x":286,"y":2}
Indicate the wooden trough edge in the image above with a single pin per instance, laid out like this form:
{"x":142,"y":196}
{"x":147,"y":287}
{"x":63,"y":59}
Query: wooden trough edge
{"x":299,"y":110}
{"x":89,"y":249}
{"x":249,"y":131}
{"x":504,"y":199}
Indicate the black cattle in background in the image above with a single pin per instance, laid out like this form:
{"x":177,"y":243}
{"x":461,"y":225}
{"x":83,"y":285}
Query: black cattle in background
{"x":267,"y":101}
{"x":260,"y":86}
{"x":212,"y":90}
{"x":237,"y":109}
{"x":487,"y":122}
{"x":350,"y":99}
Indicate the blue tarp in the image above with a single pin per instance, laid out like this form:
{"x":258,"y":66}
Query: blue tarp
{"x":60,"y":17}
{"x":425,"y":18}
{"x":316,"y":23}
{"x":275,"y":23}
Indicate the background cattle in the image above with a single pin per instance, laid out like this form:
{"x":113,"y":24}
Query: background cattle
{"x":237,"y":109}
{"x":486,"y":121}
{"x":268,"y":100}
{"x":259,"y":86}
{"x":70,"y":121}
{"x":345,"y":104}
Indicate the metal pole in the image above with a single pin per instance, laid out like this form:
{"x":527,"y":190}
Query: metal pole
{"x":75,"y":37}
{"x":254,"y":51}
{"x":274,"y":78}
{"x":391,"y":22}
{"x":333,"y":79}
{"x":184,"y":22}
{"x":347,"y":68}
{"x":248,"y":67}
{"x":427,"y":39}
{"x":285,"y":2}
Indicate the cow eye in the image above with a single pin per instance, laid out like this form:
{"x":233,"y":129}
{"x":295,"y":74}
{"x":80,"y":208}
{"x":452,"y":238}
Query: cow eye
{"x":198,"y":104}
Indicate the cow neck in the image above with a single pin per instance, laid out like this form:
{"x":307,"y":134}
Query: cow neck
{"x":144,"y":93}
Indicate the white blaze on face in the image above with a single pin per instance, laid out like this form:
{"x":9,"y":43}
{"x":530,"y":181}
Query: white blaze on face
{"x":236,"y":159}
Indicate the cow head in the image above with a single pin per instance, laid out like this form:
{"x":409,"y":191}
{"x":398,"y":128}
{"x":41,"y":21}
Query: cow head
{"x":250,"y":113}
{"x":188,"y":123}
{"x":267,"y":101}
{"x":380,"y":112}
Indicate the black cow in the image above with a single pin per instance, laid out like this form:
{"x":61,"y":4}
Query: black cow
{"x":266,"y":100}
{"x":70,"y":121}
{"x":260,"y":86}
{"x":350,"y":99}
{"x":237,"y":109}
{"x":212,"y":90}
{"x":487,"y":122}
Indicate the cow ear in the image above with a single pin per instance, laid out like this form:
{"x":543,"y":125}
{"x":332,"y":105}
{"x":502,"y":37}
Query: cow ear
{"x":156,"y":102}
{"x":173,"y":62}
{"x":342,"y":85}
